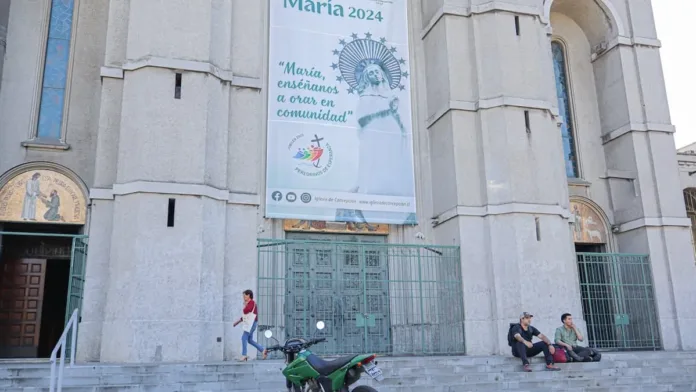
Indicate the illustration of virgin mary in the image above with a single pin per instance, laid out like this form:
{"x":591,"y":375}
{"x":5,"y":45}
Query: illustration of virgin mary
{"x":385,"y":164}
{"x":385,"y":157}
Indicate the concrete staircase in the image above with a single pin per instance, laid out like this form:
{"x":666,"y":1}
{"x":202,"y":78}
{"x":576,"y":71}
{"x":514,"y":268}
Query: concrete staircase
{"x":648,"y":371}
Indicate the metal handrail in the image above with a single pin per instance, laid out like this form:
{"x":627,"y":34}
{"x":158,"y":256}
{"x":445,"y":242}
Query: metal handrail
{"x":61,"y":346}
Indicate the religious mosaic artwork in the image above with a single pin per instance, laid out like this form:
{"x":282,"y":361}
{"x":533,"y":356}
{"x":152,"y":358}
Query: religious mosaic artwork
{"x":588,"y":227}
{"x":340,"y":140}
{"x":334,"y":227}
{"x":42,"y":196}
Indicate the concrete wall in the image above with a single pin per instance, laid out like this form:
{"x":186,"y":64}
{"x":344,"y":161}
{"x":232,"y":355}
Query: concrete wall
{"x":21,"y":78}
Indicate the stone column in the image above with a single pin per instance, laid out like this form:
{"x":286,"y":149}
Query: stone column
{"x":164,"y":296}
{"x":649,"y":209}
{"x":499,"y":185}
{"x":245,"y":168}
{"x":101,"y":214}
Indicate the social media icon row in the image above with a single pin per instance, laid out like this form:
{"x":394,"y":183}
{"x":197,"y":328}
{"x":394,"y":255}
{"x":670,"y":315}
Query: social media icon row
{"x":291,"y":197}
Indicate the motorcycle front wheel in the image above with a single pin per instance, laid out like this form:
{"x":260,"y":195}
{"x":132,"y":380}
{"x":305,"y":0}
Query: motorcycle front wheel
{"x":364,"y":388}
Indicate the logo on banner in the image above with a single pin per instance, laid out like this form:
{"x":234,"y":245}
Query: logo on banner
{"x":313,"y":156}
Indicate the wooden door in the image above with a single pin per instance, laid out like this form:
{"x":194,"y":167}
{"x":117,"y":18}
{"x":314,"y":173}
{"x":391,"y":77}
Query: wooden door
{"x":21,"y":299}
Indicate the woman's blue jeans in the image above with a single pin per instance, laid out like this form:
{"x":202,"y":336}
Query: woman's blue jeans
{"x":248,"y":337}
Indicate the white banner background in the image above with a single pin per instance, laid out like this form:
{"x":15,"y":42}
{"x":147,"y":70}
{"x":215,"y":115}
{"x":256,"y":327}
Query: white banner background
{"x":339,"y":112}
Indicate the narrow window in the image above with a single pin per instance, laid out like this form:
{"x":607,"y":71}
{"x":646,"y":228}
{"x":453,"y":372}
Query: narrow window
{"x":527,"y":125}
{"x":517,"y":25}
{"x":55,"y":73}
{"x":564,"y":107}
{"x":170,"y":212}
{"x":177,"y":86}
{"x":537,"y":226}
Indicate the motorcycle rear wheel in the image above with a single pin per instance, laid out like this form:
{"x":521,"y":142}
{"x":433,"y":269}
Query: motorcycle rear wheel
{"x":364,"y":388}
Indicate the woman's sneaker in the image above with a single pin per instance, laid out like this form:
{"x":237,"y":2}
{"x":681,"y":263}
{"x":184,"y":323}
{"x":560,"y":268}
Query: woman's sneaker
{"x":527,"y":368}
{"x":552,"y":368}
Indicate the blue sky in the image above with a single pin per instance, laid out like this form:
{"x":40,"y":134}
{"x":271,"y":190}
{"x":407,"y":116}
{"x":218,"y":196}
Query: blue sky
{"x":674,"y":19}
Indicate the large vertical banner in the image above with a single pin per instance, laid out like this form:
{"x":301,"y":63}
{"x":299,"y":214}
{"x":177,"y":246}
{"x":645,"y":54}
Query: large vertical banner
{"x":340,"y":145}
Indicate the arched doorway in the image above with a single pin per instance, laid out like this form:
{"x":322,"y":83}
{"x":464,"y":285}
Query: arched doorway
{"x":618,"y":299}
{"x":43,"y":210}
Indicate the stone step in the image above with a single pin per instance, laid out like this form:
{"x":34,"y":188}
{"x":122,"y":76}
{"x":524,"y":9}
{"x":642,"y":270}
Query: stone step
{"x":617,"y":372}
{"x":609,"y":385}
{"x":435,"y":383}
{"x":460,"y":364}
{"x":77,"y":377}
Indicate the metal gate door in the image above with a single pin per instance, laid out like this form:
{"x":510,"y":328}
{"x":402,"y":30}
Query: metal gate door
{"x":372,"y":296}
{"x":618,"y":301}
{"x":342,"y":284}
{"x":76,"y":285}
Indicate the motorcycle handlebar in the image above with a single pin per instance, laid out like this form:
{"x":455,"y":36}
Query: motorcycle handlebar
{"x":309,"y":343}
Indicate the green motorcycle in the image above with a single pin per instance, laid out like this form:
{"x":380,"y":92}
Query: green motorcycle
{"x":306,"y":372}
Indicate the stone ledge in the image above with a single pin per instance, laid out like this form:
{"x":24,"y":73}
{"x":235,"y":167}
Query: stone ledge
{"x":479,"y":9}
{"x":501,"y":209}
{"x":183,"y":65}
{"x":168,"y":188}
{"x":625,"y":41}
{"x":46,"y":144}
{"x":636,"y":127}
{"x":667,"y":221}
{"x":492,"y":103}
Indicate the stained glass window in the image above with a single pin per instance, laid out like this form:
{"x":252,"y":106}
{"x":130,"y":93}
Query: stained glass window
{"x":55,"y":72}
{"x":563,"y":94}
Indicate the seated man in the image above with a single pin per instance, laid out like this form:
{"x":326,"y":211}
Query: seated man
{"x":568,"y":335}
{"x":520,"y":339}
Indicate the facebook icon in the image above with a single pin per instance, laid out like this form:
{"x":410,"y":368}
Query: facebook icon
{"x":277,"y":196}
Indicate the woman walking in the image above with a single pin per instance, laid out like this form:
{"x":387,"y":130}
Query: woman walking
{"x":249,"y":322}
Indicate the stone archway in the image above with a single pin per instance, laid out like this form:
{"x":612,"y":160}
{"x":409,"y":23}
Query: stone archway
{"x":43,"y":212}
{"x":594,"y":11}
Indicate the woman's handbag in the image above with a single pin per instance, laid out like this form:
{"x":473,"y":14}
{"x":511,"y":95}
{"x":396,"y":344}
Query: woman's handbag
{"x":248,"y":320}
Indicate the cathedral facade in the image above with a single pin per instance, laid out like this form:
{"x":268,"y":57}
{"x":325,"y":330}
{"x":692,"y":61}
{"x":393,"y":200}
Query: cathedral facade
{"x":524,"y":147}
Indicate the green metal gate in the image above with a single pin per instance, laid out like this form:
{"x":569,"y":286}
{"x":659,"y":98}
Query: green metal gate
{"x":618,"y":301}
{"x":76,"y":285}
{"x":373,"y":296}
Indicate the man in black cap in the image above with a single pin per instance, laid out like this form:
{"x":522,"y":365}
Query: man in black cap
{"x":520,"y":339}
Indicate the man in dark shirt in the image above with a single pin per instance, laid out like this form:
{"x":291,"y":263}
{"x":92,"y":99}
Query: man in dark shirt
{"x":523,"y":348}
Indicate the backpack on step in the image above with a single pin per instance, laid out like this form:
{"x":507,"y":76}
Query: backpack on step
{"x":560,"y":355}
{"x":511,"y":336}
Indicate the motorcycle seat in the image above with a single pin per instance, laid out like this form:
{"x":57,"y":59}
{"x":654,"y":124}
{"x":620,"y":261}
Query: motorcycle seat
{"x":325,"y":368}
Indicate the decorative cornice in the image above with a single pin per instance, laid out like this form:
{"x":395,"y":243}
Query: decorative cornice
{"x":183,"y":65}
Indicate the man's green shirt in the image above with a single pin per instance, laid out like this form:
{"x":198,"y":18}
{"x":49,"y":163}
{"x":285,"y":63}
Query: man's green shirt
{"x":567,"y":336}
